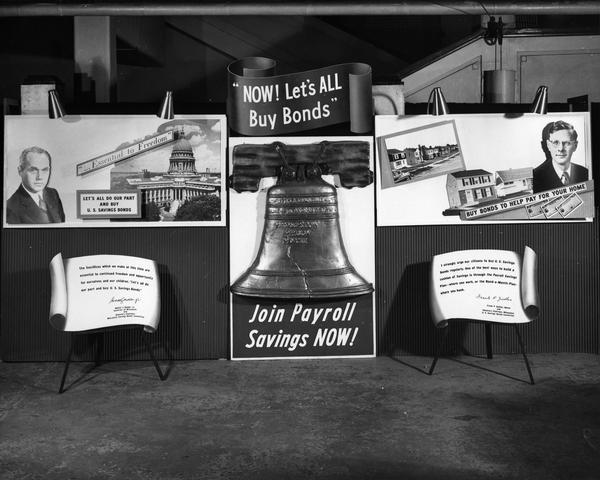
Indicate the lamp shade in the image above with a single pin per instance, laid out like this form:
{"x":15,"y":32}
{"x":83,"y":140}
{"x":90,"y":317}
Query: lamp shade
{"x":540,"y":102}
{"x":166,"y":107}
{"x":499,"y":86}
{"x":55,"y":108}
{"x":436,"y":105}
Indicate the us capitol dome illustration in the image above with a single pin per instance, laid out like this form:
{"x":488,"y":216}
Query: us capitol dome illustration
{"x":181,"y":181}
{"x":182,"y":161}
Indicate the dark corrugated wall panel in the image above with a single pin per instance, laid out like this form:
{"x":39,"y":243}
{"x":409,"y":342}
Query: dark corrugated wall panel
{"x":568,"y":287}
{"x":193,"y":266}
{"x":193,"y":272}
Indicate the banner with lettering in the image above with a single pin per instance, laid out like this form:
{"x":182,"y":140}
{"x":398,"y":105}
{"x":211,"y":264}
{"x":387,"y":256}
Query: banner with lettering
{"x":281,"y":328}
{"x":455,"y":169}
{"x":114,"y":171}
{"x":261,"y":103}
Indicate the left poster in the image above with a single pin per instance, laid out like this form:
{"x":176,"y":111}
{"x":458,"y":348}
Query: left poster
{"x":114,"y":171}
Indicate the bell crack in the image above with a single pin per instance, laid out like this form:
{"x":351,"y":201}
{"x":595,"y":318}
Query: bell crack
{"x":300,"y":269}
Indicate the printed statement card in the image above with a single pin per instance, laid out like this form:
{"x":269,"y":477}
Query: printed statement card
{"x":302,"y":247}
{"x":101,"y":291}
{"x":455,"y":169}
{"x":486,"y":285}
{"x":114,"y":171}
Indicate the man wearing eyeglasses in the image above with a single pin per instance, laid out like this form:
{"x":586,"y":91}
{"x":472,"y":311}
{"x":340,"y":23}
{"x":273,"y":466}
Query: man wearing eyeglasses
{"x":34,"y":202}
{"x":559,"y":142}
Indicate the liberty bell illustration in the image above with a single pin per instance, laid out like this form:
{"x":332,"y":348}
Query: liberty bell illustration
{"x":301,"y":254}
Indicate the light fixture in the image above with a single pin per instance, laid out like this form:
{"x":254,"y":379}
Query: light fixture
{"x":494,"y":32}
{"x":55,"y":108}
{"x":499,"y":83}
{"x":540,"y":102}
{"x":436,"y":105}
{"x":166,"y":107}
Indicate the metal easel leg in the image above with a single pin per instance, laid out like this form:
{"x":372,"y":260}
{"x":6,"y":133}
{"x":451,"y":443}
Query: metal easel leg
{"x":523,"y":352}
{"x":162,"y":376}
{"x":66,"y":369}
{"x":438,"y":351}
{"x":488,"y":340}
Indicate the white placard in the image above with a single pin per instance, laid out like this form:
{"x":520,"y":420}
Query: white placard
{"x":101,"y":291}
{"x":487,"y":285}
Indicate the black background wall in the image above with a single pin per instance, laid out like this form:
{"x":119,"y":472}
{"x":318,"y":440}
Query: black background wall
{"x":193,"y":274}
{"x":568,"y":286}
{"x":193,"y":268}
{"x":194,"y":282}
{"x":568,"y":273}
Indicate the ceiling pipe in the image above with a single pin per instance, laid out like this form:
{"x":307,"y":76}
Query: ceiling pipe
{"x":325,"y":8}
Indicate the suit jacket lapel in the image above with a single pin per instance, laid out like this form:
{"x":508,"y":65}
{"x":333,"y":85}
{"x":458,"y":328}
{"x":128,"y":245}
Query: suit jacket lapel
{"x":30,"y":208}
{"x":53,"y":214}
{"x":579,"y":175}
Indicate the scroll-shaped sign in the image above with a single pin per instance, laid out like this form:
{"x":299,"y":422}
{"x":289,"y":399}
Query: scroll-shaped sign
{"x":487,"y":285}
{"x":101,"y":291}
{"x":262,"y":103}
{"x":129,"y":151}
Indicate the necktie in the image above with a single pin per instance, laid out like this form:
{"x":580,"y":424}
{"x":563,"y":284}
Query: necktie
{"x":565,"y":178}
{"x":43,"y":205}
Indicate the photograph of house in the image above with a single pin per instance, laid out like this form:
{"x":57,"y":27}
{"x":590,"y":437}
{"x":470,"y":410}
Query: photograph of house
{"x":397,"y":159}
{"x":470,"y":187}
{"x":421,"y":153}
{"x":516,"y":181}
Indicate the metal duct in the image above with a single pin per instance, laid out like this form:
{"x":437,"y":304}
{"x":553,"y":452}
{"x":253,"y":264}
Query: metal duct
{"x":161,"y":8}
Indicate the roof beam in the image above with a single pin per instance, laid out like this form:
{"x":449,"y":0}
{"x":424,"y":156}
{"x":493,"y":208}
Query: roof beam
{"x":311,"y":8}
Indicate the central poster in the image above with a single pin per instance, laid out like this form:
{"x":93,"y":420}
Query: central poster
{"x":302,"y":247}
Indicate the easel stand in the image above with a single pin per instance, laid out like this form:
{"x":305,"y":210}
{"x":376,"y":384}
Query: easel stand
{"x":488,"y":344}
{"x":99,"y":346}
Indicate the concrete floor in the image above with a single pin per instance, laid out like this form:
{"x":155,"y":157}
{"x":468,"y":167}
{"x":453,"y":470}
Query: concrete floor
{"x":377,"y":418}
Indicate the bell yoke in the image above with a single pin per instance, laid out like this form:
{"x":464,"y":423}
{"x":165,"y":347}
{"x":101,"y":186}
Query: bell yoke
{"x":301,"y":254}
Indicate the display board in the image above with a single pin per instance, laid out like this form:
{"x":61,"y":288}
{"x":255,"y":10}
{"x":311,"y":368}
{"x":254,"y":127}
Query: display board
{"x":195,"y":310}
{"x":454,"y":169}
{"x":114,"y":170}
{"x":302,"y":257}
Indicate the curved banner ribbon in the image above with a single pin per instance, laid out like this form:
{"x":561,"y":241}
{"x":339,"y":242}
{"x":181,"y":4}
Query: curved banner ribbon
{"x":261,"y":103}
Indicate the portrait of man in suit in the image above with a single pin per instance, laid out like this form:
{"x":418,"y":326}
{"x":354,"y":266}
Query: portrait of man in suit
{"x":34,"y":202}
{"x":559,"y":142}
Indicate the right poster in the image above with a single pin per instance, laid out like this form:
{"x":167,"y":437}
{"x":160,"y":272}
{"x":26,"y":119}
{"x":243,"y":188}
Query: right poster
{"x":455,"y":169}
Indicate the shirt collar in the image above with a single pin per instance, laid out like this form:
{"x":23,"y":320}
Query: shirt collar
{"x":35,"y":196}
{"x":559,"y":171}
